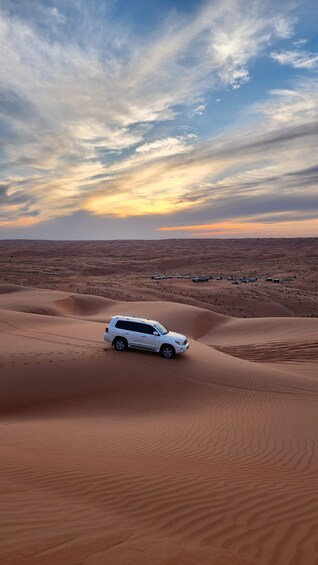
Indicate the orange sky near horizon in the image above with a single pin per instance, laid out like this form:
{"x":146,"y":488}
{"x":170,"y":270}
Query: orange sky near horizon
{"x":248,"y":229}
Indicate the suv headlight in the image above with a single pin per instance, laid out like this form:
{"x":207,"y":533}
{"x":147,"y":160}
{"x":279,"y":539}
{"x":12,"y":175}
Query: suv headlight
{"x":178,"y":342}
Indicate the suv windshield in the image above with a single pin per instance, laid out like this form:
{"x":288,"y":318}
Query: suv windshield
{"x":161,"y":329}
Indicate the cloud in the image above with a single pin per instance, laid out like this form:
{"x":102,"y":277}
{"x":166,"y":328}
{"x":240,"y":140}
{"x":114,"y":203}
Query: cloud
{"x":284,"y":27}
{"x":242,"y":40}
{"x":17,"y":203}
{"x":199,"y":110}
{"x":292,"y":107}
{"x":297,"y":59}
{"x":166,"y":146}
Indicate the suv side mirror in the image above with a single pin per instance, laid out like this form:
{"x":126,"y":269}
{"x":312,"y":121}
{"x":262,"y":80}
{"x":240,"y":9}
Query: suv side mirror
{"x":155,"y":333}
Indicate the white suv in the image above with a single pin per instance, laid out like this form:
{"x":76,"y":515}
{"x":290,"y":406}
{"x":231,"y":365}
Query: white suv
{"x":141,"y":333}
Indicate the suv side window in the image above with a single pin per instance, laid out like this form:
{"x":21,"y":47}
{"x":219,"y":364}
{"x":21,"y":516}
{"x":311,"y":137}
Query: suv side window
{"x":146,"y":329}
{"x":134,"y":327}
{"x":125,"y":325}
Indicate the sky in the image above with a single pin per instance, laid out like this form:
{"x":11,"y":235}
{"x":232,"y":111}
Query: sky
{"x":150,"y":120}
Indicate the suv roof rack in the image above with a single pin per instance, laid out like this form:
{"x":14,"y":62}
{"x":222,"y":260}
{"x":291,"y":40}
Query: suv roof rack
{"x":132,"y":316}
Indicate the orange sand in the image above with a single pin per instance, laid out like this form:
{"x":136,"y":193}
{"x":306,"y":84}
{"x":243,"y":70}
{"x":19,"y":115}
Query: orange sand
{"x":127,"y":458}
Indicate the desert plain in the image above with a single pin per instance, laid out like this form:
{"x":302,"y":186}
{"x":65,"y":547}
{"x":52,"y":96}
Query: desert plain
{"x":130,"y":459}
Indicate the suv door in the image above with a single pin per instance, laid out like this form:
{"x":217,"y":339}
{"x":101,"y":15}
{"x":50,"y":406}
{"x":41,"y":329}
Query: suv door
{"x":127,"y":329}
{"x":147,"y":339}
{"x":135,"y":335}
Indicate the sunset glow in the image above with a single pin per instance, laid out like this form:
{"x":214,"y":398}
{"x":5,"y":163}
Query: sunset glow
{"x":247,"y":229}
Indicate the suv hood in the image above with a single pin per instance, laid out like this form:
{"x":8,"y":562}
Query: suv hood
{"x":174,"y":335}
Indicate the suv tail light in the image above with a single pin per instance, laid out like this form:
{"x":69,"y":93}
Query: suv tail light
{"x":106,"y":329}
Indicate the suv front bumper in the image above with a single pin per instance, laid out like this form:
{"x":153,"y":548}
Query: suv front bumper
{"x":182,"y":348}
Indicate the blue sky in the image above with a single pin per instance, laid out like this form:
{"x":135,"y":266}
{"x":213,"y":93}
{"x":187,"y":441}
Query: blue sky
{"x":143,"y":119}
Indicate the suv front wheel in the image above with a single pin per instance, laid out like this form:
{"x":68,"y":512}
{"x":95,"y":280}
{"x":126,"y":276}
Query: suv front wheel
{"x":120,"y":343}
{"x":167,"y":351}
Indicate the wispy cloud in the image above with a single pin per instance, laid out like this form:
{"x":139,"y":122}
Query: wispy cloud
{"x":298,"y":59}
{"x":166,"y":146}
{"x":199,"y":110}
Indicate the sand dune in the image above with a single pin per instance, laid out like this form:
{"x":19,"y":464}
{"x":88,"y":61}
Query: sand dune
{"x":127,"y":458}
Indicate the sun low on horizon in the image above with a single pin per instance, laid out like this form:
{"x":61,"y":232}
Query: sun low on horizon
{"x":155,"y":120}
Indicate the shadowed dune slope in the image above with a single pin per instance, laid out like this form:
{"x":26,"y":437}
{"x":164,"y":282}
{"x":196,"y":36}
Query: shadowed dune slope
{"x":128,"y":458}
{"x":269,"y":340}
{"x":263,"y":330}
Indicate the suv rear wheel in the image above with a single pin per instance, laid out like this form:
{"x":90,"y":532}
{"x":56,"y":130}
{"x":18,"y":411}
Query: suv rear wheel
{"x":120,"y":343}
{"x":167,"y":351}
